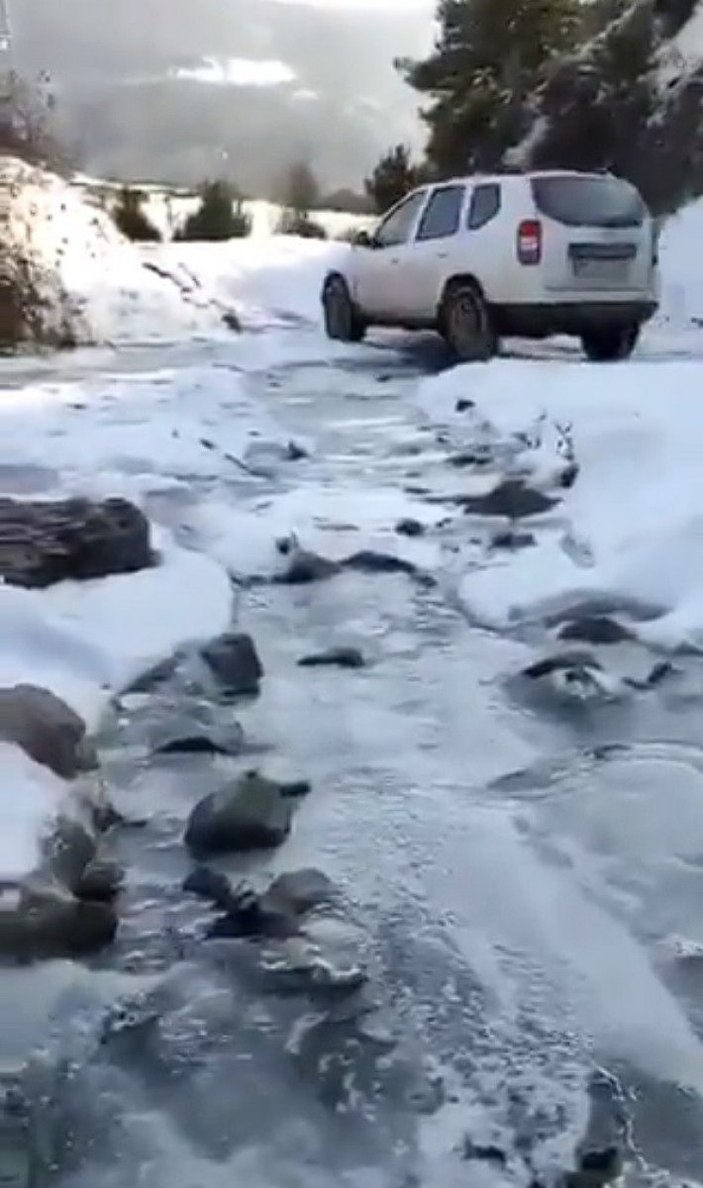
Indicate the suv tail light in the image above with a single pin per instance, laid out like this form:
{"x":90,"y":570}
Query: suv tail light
{"x":529,"y":241}
{"x":655,"y":244}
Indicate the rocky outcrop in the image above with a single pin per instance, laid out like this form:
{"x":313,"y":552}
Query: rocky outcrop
{"x":46,"y":542}
{"x":254,"y":813}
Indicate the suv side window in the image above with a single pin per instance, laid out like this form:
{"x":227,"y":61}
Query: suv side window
{"x":397,"y":226}
{"x":443,"y":214}
{"x":485,"y":204}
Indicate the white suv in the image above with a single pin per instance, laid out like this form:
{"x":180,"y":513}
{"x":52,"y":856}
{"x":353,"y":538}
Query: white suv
{"x":514,"y":254}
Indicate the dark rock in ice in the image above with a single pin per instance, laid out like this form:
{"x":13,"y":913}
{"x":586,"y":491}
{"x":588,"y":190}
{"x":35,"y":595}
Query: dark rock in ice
{"x":101,"y":880}
{"x":339,"y":657}
{"x":47,"y":925}
{"x":463,"y":404}
{"x":512,"y":540}
{"x":511,"y":498}
{"x":42,"y":543}
{"x":298,"y":892}
{"x":234,"y":661}
{"x":254,"y":813}
{"x":563,"y":661}
{"x":595,"y":629}
{"x":484,"y":1153}
{"x":596,"y":1168}
{"x":47,"y":729}
{"x":410,"y":527}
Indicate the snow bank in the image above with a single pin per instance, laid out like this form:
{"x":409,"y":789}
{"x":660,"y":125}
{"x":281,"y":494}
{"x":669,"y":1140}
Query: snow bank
{"x":682,"y":275}
{"x":631,"y":528}
{"x":272,"y":280}
{"x":103,"y":275}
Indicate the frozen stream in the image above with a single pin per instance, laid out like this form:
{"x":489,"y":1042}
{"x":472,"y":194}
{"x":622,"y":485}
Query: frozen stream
{"x":516,"y":885}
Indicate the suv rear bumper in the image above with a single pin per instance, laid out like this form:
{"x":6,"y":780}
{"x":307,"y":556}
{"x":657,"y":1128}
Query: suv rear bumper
{"x":540,"y":321}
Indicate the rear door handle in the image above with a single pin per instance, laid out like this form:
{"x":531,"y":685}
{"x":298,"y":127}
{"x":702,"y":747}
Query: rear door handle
{"x":442,"y":255}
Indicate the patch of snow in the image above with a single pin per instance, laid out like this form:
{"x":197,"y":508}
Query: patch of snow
{"x":682,"y":277}
{"x":36,"y":794}
{"x":635,"y":509}
{"x":237,"y":72}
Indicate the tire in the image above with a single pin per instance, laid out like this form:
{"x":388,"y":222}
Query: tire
{"x":342,"y":320}
{"x":467,"y":325}
{"x":611,"y":344}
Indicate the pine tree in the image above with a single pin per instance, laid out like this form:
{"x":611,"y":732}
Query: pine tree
{"x":131,"y":219}
{"x":489,"y":57}
{"x":220,"y":215}
{"x":393,"y":178}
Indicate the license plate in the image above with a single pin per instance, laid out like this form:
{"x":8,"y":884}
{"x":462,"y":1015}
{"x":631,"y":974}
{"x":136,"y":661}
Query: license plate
{"x":611,"y":271}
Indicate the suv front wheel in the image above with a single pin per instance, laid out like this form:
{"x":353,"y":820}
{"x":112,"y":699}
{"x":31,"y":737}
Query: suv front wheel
{"x":610,"y":344}
{"x":342,"y":320}
{"x":467,"y":325}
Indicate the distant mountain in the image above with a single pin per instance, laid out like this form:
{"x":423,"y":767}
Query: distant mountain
{"x":178,"y":89}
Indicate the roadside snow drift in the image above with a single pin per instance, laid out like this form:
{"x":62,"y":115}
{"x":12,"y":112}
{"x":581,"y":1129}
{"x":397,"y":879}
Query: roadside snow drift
{"x":631,"y":527}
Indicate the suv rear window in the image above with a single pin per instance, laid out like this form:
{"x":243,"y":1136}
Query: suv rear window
{"x":589,"y":201}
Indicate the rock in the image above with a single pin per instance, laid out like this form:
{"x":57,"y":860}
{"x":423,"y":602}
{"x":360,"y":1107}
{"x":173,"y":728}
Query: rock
{"x":211,"y":885}
{"x":255,"y":813}
{"x":596,"y":1168}
{"x":193,"y":728}
{"x":303,"y":566}
{"x":573,"y":659}
{"x":234,"y":661}
{"x":595,"y":629}
{"x":295,"y":452}
{"x":340,"y":657}
{"x":47,"y":729}
{"x":70,"y":848}
{"x":512,"y":540}
{"x":511,"y":498}
{"x":231,"y":321}
{"x":101,"y":881}
{"x":298,"y":965}
{"x":46,"y":925}
{"x":410,"y":527}
{"x":463,"y":405}
{"x":46,"y":542}
{"x":485,"y":1153}
{"x":298,"y":892}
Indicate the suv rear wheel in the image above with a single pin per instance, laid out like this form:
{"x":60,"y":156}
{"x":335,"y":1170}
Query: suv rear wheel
{"x":342,"y":320}
{"x":610,"y":344}
{"x":466,"y":323}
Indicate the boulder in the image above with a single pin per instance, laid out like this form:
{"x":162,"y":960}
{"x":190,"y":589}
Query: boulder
{"x":339,"y":657}
{"x":101,"y":881}
{"x":48,"y":730}
{"x":410,"y":527}
{"x":299,"y":891}
{"x":254,"y":813}
{"x":595,"y":629}
{"x":234,"y":661}
{"x":511,"y":498}
{"x":46,"y":542}
{"x":47,"y":924}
